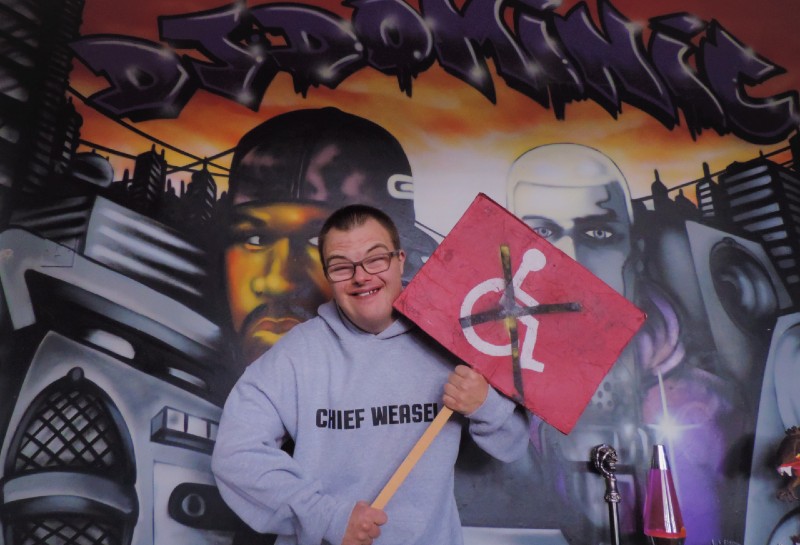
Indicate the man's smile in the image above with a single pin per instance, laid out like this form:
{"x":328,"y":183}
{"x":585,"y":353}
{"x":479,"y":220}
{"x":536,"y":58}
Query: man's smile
{"x":366,"y":293}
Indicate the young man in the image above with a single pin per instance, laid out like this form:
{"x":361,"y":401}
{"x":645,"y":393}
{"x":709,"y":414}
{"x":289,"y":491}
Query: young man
{"x":355,"y":388}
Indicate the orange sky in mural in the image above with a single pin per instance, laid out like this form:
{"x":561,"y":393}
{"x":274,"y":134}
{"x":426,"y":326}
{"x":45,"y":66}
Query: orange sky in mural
{"x":444,"y":112}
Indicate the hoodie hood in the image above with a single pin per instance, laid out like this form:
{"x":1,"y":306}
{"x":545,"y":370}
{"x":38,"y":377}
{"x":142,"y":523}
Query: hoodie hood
{"x":341,"y":325}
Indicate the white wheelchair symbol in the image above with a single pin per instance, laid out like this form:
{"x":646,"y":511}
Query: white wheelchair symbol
{"x":533,"y":260}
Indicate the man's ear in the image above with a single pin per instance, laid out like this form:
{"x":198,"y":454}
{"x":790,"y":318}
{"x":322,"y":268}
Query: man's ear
{"x":401,"y":257}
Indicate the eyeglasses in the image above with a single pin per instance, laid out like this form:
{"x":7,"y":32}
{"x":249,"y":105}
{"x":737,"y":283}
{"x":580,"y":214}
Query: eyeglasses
{"x":374,"y":264}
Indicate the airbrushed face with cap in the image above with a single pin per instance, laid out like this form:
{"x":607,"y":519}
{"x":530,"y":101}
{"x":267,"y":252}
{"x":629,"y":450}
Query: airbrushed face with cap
{"x":287,"y":175}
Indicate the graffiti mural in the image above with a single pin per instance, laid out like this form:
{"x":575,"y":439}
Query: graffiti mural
{"x":165,"y":168}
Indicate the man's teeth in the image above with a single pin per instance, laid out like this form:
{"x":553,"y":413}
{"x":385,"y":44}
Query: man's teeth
{"x":370,"y":292}
{"x":785,"y":470}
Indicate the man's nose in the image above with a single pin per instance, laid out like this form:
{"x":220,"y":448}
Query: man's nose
{"x":567,"y":245}
{"x":275,"y":278}
{"x":361,"y":275}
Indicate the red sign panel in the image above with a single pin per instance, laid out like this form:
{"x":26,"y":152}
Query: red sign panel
{"x":538,"y":325}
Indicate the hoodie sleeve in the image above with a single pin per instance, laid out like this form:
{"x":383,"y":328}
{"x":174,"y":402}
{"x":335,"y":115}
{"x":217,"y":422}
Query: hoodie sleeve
{"x":500,"y":427}
{"x":265,"y":486}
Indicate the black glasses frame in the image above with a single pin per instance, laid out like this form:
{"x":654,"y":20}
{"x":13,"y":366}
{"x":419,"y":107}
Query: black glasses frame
{"x":354,"y":264}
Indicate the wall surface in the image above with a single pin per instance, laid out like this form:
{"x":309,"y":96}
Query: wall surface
{"x":165,"y":167}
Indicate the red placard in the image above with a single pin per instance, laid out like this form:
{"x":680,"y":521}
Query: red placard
{"x":538,"y":325}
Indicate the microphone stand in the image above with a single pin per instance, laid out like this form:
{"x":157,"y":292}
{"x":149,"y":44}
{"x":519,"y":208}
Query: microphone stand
{"x":605,"y":462}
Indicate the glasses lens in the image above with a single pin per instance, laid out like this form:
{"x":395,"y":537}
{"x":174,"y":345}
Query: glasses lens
{"x":377,"y":264}
{"x":341,"y":271}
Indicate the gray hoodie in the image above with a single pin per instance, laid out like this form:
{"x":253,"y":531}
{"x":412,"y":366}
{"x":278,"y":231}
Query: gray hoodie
{"x":354,"y":403}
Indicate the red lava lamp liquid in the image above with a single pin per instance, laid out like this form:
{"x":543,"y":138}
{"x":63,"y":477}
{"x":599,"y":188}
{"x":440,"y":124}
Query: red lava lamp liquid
{"x":663,"y":524}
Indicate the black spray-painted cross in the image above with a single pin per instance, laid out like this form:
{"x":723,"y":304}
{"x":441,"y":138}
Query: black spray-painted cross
{"x":509,"y":311}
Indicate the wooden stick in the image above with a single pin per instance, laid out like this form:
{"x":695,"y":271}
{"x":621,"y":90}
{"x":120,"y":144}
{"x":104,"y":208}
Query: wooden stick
{"x":413,"y":457}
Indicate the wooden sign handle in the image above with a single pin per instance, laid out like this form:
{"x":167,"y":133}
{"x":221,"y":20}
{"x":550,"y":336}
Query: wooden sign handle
{"x":413,"y":457}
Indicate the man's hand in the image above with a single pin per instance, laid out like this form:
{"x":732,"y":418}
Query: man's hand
{"x":364,"y":525}
{"x":466,"y":390}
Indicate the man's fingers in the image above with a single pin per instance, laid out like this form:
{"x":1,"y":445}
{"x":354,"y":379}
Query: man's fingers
{"x":465,"y":390}
{"x":457,"y":381}
{"x":363,"y":525}
{"x":464,"y":374}
{"x":463,"y":378}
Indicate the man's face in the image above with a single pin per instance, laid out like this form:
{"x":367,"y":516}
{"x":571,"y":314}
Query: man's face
{"x":366,"y":299}
{"x":590,"y":224}
{"x":274,"y":279}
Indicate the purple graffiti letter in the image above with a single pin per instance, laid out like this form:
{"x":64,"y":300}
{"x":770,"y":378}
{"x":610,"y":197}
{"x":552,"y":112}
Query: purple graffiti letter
{"x":397,"y":40}
{"x":553,"y":67}
{"x":239,"y":70}
{"x":729,"y":66}
{"x":463,"y":39}
{"x":614,"y":64}
{"x":670,"y":49}
{"x":320,"y":49}
{"x":147,"y":80}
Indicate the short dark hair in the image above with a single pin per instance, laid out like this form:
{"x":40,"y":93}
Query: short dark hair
{"x":352,"y":216}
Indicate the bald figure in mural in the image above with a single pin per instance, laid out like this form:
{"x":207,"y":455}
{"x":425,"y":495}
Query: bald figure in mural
{"x":287,"y":175}
{"x":578,"y":199}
